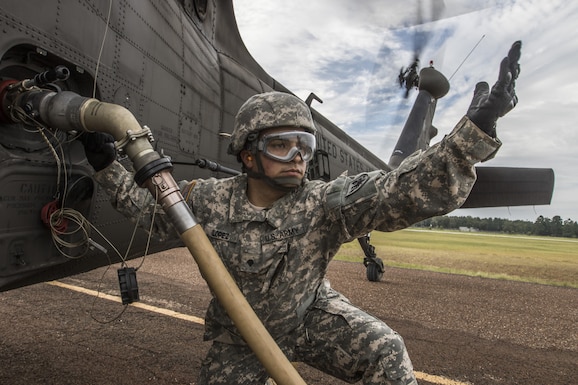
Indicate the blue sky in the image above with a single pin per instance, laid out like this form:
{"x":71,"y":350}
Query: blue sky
{"x":349,"y":54}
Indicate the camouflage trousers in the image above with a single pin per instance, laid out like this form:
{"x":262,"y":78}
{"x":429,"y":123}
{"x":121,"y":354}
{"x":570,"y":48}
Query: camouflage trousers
{"x":350,"y":345}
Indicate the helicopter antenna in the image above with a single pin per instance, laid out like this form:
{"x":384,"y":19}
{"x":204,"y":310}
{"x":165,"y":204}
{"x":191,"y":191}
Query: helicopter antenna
{"x":467,"y":56}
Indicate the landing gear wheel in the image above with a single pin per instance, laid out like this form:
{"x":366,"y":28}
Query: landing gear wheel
{"x":374,"y":272}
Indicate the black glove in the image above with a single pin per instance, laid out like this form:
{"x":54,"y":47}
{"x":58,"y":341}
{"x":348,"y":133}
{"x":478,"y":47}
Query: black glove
{"x":486,"y":106}
{"x":99,"y":149}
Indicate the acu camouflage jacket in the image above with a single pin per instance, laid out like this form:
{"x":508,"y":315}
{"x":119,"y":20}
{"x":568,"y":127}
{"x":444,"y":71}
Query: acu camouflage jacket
{"x":279,"y":256}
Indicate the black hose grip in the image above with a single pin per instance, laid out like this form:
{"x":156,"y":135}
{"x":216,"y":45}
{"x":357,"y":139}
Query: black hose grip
{"x":150,"y":169}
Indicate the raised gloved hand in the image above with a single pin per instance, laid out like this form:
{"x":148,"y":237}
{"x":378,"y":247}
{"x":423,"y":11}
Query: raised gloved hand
{"x":487,"y":106}
{"x":99,"y":149}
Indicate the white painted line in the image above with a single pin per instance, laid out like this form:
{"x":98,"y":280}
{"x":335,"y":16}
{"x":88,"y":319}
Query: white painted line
{"x":438,"y":379}
{"x":420,"y":375}
{"x":139,"y":305}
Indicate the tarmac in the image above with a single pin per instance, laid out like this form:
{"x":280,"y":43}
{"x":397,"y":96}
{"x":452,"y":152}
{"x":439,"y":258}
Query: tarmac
{"x":458,"y":330}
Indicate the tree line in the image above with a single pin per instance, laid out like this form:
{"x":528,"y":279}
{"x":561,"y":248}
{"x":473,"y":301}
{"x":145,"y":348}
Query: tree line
{"x":554,"y":227}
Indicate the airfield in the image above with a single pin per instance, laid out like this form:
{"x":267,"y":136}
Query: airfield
{"x":458,"y":329}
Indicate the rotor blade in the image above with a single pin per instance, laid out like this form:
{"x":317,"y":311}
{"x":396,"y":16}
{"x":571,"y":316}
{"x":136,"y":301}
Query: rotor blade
{"x":422,"y":36}
{"x":511,"y":186}
{"x":437,"y":8}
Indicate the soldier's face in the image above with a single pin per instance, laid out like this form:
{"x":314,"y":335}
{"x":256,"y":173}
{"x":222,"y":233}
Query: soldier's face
{"x":291,"y":170}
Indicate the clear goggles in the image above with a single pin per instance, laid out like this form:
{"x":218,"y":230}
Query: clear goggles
{"x":285,"y":146}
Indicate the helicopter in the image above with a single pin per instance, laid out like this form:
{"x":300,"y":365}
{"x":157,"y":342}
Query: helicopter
{"x":167,"y":78}
{"x":408,"y":78}
{"x":182,"y":70}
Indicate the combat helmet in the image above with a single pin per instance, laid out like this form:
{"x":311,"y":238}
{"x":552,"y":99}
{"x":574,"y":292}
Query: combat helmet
{"x":268,"y":110}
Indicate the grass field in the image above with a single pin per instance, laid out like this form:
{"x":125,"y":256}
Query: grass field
{"x":545,"y":260}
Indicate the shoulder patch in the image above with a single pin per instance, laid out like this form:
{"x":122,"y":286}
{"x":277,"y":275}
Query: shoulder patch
{"x":356,"y":184}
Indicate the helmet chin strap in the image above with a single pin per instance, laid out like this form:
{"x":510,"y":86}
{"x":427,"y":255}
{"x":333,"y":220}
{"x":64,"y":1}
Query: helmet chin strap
{"x":285,"y":184}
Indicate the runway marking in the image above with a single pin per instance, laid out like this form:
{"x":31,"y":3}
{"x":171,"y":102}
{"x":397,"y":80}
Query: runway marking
{"x":140,"y":305}
{"x":438,"y":380}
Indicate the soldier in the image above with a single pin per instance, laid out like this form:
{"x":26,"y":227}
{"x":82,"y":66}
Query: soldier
{"x":276,"y":231}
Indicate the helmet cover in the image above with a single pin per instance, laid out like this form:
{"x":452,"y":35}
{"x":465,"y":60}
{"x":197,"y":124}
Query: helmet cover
{"x":269,"y":110}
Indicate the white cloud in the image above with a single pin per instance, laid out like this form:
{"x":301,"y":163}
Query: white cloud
{"x":349,"y":54}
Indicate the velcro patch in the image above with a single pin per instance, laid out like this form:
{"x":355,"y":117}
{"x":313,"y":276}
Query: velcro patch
{"x":220,"y":234}
{"x":280,"y":234}
{"x":356,"y":184}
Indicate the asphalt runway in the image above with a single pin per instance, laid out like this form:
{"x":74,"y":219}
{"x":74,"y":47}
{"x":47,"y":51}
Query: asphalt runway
{"x":458,"y":330}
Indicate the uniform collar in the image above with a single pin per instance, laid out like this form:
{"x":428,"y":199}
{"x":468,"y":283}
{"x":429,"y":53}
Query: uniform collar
{"x":240,"y":209}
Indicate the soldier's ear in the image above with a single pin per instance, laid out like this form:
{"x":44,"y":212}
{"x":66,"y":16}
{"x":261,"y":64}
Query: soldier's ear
{"x":247,"y":158}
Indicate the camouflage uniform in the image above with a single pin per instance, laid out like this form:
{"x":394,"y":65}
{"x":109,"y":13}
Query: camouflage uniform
{"x":279,"y":256}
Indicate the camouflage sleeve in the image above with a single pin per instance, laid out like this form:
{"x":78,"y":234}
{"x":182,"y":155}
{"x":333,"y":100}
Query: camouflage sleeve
{"x":428,"y":183}
{"x":134,"y":202}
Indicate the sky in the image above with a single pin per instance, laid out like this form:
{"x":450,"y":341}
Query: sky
{"x":350,"y":53}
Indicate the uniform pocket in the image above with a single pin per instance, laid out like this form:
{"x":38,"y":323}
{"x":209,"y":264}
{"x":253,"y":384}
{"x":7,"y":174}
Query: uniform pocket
{"x":262,"y":264}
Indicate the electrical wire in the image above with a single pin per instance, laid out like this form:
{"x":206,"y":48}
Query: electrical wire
{"x":60,"y":219}
{"x":77,"y":237}
{"x":101,"y":48}
{"x":123,"y":259}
